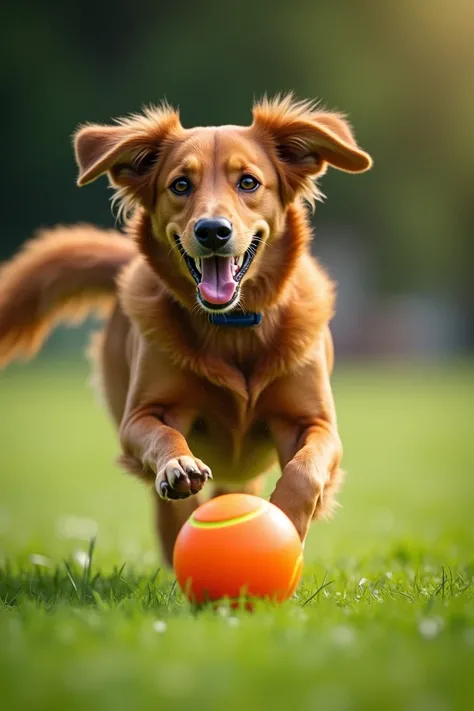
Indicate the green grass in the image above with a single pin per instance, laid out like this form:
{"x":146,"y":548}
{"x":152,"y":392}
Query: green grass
{"x":384,"y":617}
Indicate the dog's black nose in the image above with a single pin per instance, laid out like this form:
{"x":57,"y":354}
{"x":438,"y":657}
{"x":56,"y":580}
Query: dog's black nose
{"x":213,"y":233}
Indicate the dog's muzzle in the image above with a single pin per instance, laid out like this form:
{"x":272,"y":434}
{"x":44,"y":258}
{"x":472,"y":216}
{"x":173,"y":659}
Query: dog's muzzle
{"x":217,"y":277}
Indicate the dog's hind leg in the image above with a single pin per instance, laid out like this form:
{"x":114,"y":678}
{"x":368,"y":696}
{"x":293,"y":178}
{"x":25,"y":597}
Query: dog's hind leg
{"x":170,"y":517}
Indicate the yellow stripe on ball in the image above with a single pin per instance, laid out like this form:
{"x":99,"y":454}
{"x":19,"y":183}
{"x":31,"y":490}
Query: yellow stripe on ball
{"x":296,"y":571}
{"x":229,"y":522}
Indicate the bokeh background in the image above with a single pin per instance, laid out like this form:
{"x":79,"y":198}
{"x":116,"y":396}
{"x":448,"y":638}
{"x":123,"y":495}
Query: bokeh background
{"x":399,"y":239}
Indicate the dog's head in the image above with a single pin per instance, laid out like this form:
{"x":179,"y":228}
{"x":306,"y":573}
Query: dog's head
{"x":218,"y":196}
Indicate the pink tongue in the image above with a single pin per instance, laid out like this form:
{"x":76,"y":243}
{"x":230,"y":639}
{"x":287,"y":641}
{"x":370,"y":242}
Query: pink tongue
{"x":217,"y":284}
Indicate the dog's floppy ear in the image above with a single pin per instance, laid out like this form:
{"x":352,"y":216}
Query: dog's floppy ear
{"x":306,"y":140}
{"x":126,"y":150}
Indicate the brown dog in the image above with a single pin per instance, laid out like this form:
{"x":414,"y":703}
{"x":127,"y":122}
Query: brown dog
{"x":217,"y":354}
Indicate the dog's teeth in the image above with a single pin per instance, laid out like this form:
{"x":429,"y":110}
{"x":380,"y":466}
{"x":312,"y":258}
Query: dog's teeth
{"x":240,"y":261}
{"x":198,"y":264}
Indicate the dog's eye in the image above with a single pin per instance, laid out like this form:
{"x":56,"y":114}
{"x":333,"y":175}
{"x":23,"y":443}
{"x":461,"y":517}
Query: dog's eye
{"x":181,"y":186}
{"x":248,"y":183}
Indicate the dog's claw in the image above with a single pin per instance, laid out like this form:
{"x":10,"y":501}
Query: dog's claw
{"x":182,"y":477}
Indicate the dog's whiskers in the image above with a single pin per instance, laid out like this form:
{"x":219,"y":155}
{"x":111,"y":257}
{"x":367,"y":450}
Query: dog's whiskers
{"x":175,"y":247}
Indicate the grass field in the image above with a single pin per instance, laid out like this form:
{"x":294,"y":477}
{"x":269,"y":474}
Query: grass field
{"x":384,"y":617}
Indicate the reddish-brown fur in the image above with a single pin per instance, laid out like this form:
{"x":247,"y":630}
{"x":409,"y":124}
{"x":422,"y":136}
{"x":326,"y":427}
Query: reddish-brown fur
{"x":177,"y":387}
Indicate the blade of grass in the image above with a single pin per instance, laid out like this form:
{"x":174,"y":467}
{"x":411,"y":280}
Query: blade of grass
{"x":323,"y":585}
{"x":71,"y":578}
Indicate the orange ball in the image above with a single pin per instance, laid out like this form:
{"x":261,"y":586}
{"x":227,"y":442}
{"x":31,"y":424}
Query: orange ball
{"x":237,"y":545}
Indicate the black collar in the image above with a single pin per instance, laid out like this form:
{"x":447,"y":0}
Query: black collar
{"x":235,"y":318}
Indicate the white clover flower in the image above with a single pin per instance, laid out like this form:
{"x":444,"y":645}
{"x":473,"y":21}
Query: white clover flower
{"x":76,"y":527}
{"x":41,"y":560}
{"x":160,"y":626}
{"x":82,"y":558}
{"x":343,"y":636}
{"x":430,"y":627}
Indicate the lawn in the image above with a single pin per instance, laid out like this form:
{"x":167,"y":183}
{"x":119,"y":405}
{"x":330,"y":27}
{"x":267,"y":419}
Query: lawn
{"x":383,"y":619}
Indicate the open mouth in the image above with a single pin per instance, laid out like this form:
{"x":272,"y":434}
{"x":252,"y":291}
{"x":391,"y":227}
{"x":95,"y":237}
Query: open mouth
{"x":218,"y":278}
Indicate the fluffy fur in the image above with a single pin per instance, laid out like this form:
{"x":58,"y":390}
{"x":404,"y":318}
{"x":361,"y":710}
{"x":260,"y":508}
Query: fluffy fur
{"x":178,"y":387}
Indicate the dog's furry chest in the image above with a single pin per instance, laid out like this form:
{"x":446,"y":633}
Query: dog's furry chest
{"x":235,"y":442}
{"x":233,"y":455}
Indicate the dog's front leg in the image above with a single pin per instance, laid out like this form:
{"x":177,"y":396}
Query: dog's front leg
{"x":154,"y":450}
{"x":309,"y":480}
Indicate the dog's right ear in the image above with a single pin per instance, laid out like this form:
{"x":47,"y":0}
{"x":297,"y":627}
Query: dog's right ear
{"x":126,"y":151}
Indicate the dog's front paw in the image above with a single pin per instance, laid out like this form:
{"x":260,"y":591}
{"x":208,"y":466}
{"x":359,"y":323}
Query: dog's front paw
{"x":182,"y":477}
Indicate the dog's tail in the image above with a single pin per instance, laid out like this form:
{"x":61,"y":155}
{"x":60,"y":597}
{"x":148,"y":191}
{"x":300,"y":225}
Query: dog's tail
{"x":63,"y":274}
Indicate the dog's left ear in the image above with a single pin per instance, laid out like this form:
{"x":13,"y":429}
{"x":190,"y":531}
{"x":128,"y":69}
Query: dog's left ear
{"x":305,"y":141}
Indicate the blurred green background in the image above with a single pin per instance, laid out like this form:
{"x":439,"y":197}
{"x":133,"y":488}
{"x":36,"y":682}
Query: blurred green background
{"x":399,"y":239}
